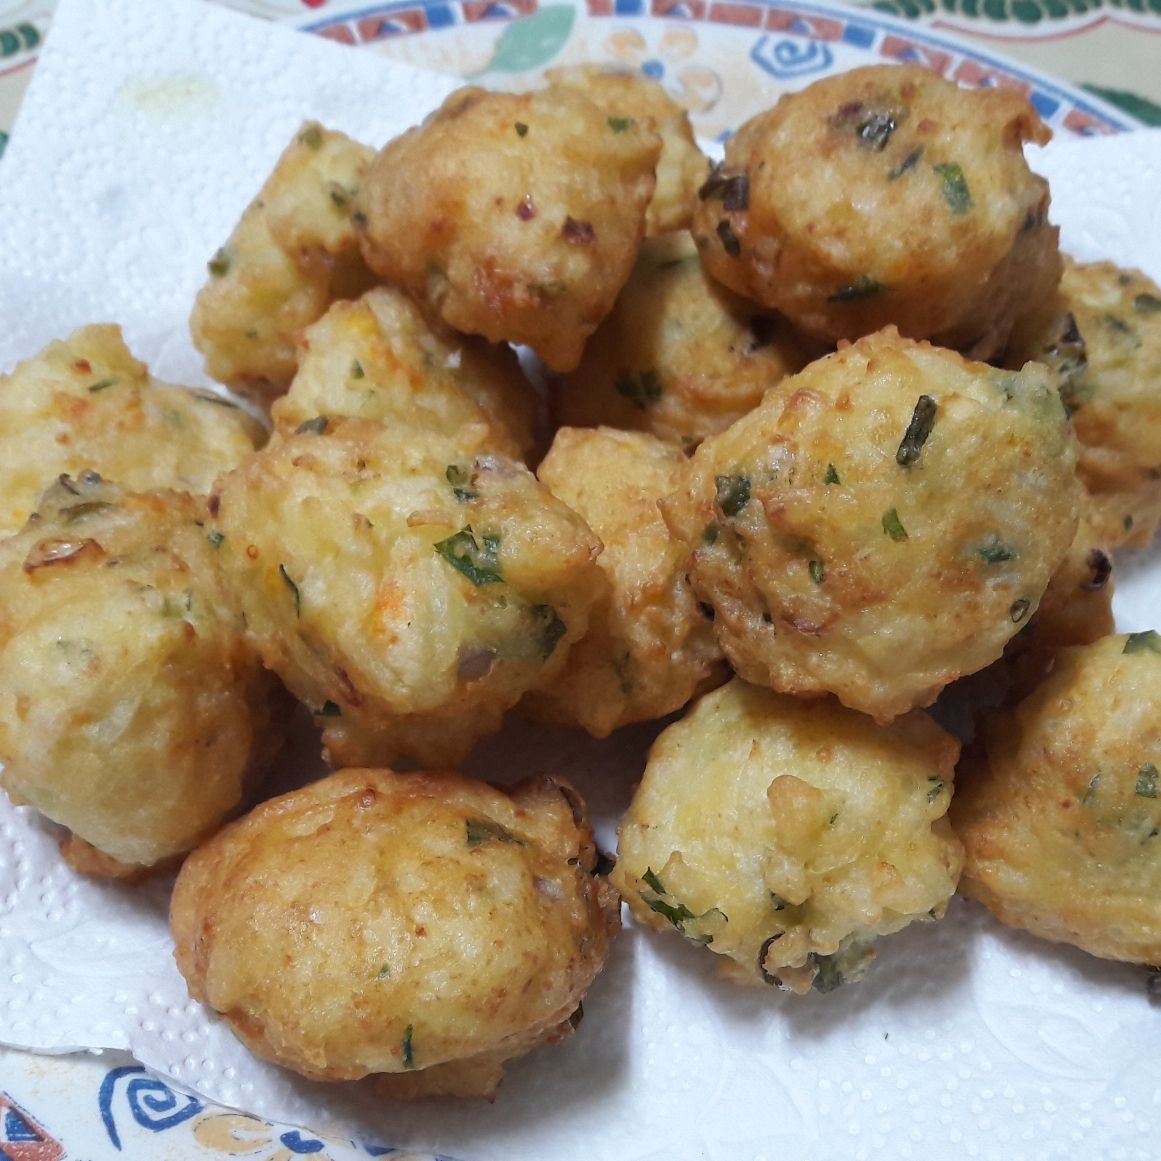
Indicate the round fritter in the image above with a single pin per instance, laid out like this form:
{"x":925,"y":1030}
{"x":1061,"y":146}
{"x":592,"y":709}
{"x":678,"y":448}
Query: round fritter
{"x":516,"y":217}
{"x":1062,"y":822}
{"x":886,"y":195}
{"x":424,"y":926}
{"x":292,"y":253}
{"x":680,"y":356}
{"x":378,"y":358}
{"x":1102,"y":334}
{"x":86,"y":402}
{"x":681,"y":168}
{"x":407,"y":586}
{"x":787,"y":835}
{"x":882,"y":523}
{"x":649,"y":647}
{"x":131,"y":710}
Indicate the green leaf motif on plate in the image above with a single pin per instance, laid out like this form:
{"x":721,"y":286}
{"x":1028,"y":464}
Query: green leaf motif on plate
{"x":1137,"y":106}
{"x":1000,"y":11}
{"x":532,"y":41}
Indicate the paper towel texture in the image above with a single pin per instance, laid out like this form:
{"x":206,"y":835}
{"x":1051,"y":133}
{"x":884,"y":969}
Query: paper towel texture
{"x":147,"y":129}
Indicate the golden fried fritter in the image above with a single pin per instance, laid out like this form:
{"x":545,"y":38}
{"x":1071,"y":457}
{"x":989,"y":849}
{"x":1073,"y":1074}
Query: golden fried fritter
{"x":378,"y":358}
{"x":515,"y":217}
{"x":679,"y":356}
{"x":1062,"y":823}
{"x":424,"y":926}
{"x":292,"y":253}
{"x":649,"y":647}
{"x":681,"y":168}
{"x":787,"y":835}
{"x":1102,"y":334}
{"x":86,"y":402}
{"x":882,"y":523}
{"x":131,"y":710}
{"x":886,"y":195}
{"x":407,"y":586}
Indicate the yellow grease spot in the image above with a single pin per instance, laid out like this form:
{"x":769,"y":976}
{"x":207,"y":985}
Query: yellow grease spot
{"x":173,"y":97}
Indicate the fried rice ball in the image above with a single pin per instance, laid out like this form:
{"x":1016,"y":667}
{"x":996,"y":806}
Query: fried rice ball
{"x":679,"y":356}
{"x":1102,"y":334}
{"x":86,"y":402}
{"x":407,"y":586}
{"x":378,"y":358}
{"x":882,"y":523}
{"x":292,"y":253}
{"x":425,"y":927}
{"x":681,"y":168}
{"x":513,"y":216}
{"x":649,"y":648}
{"x":131,"y":710}
{"x":788,"y":835}
{"x":886,"y":195}
{"x":1062,"y":822}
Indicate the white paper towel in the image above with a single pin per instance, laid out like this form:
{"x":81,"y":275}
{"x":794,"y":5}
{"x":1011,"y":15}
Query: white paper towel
{"x":147,"y":128}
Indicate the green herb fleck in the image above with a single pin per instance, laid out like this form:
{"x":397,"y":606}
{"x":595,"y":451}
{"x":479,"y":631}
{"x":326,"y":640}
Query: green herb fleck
{"x":484,"y":830}
{"x":408,"y":1049}
{"x":357,"y":371}
{"x":832,"y":476}
{"x":955,"y":188}
{"x":460,"y":480}
{"x":827,"y":975}
{"x":219,"y":264}
{"x":650,"y":879}
{"x":1147,"y":781}
{"x":1127,"y":523}
{"x":893,"y":526}
{"x":863,"y":287}
{"x":80,"y":511}
{"x":922,"y":422}
{"x":1140,"y":641}
{"x":521,"y":129}
{"x":817,"y":571}
{"x":906,"y":165}
{"x":548,"y":628}
{"x":777,"y":902}
{"x":729,"y":239}
{"x":340,"y":197}
{"x":293,"y":589}
{"x":477,"y":560}
{"x":1147,"y":303}
{"x":101,"y":385}
{"x":935,"y":789}
{"x":329,"y":709}
{"x":710,"y":533}
{"x":384,"y":973}
{"x":1091,"y":789}
{"x":316,"y":426}
{"x":619,"y":124}
{"x":1019,"y":610}
{"x":311,"y":137}
{"x":215,"y":538}
{"x":641,"y":388}
{"x":994,"y":550}
{"x":732,"y":494}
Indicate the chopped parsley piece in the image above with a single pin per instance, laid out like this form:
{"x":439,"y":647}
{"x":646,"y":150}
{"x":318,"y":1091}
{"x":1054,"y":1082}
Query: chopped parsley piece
{"x":863,"y":287}
{"x":641,"y":388}
{"x":521,"y":129}
{"x":832,"y":476}
{"x":80,"y":511}
{"x":1090,"y":790}
{"x":215,"y":538}
{"x":955,"y":188}
{"x":906,"y":165}
{"x":893,"y":526}
{"x":710,"y":533}
{"x":827,"y":975}
{"x":384,"y":973}
{"x":316,"y":426}
{"x":994,"y":551}
{"x":935,"y":789}
{"x":1140,"y":641}
{"x":293,"y":589}
{"x":651,"y":880}
{"x":548,"y":627}
{"x":732,"y":494}
{"x":817,"y":571}
{"x":101,"y":385}
{"x":619,"y":124}
{"x":922,"y":422}
{"x":219,"y":264}
{"x":357,"y":371}
{"x":478,"y":831}
{"x":477,"y":560}
{"x":329,"y":709}
{"x":1147,"y":781}
{"x":1019,"y":610}
{"x":1147,"y":303}
{"x":340,"y":197}
{"x":460,"y":480}
{"x":729,"y":239}
{"x":875,"y":129}
{"x":408,"y":1049}
{"x":311,"y":137}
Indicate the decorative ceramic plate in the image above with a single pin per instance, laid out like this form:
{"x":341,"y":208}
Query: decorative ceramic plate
{"x":723,"y":60}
